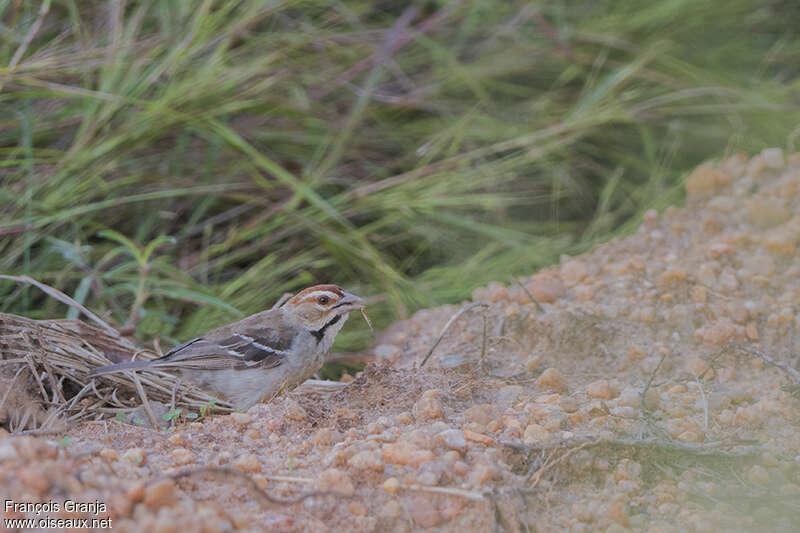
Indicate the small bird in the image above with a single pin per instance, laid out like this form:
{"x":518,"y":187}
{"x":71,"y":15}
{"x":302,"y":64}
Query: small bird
{"x":259,"y":357}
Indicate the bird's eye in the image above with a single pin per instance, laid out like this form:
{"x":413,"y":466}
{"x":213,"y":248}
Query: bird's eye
{"x":323,"y":300}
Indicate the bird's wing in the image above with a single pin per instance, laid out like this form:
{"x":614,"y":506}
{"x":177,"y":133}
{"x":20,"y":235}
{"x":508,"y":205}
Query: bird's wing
{"x":238,"y":346}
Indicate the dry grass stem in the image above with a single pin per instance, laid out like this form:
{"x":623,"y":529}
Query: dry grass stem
{"x":450,"y":322}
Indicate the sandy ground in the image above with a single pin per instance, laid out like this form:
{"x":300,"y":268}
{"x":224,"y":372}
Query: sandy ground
{"x":627,"y":389}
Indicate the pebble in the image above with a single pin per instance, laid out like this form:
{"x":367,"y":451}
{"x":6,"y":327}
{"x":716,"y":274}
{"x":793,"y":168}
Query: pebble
{"x":357,"y":509}
{"x":601,"y":389}
{"x":773,"y":158}
{"x":160,"y":494}
{"x":107,"y":454}
{"x":391,"y":485}
{"x":386,"y":352}
{"x":398,"y":452}
{"x":427,"y":408}
{"x":336,"y":480}
{"x":478,"y":437}
{"x":294,"y":411}
{"x":182,"y":456}
{"x":240,"y":418}
{"x":136,"y":456}
{"x":546,"y":289}
{"x":480,"y":414}
{"x":758,"y":475}
{"x":452,"y":439}
{"x":535,"y":433}
{"x":366,"y":460}
{"x":247,"y":463}
{"x":552,"y":380}
{"x":423,"y":512}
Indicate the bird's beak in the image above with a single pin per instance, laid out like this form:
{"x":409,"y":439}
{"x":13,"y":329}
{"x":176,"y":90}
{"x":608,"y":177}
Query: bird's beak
{"x":350,"y":302}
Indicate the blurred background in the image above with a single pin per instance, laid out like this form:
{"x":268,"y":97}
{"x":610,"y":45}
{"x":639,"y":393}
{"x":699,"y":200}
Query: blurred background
{"x":178,"y":165}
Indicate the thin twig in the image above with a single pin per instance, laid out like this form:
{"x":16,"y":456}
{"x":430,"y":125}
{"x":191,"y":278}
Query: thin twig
{"x":10,"y":387}
{"x":746,"y":448}
{"x":642,"y":405}
{"x":794,"y":373}
{"x":536,"y":476}
{"x":468,"y":494}
{"x":705,"y":403}
{"x":534,"y":300}
{"x":32,"y":31}
{"x":239,"y":476}
{"x":172,"y":403}
{"x":32,"y":367}
{"x":145,"y":401}
{"x":450,"y":323}
{"x":61,"y":297}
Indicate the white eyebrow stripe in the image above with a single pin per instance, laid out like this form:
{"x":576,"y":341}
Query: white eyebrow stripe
{"x":251,"y":340}
{"x":315,"y":294}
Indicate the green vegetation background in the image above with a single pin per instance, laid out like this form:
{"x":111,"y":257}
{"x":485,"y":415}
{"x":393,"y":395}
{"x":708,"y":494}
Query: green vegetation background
{"x":176,"y":165}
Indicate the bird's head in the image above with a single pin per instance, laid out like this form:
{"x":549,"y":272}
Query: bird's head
{"x":320,"y":307}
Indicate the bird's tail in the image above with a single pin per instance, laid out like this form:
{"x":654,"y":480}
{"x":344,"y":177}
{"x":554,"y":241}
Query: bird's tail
{"x":111,"y":369}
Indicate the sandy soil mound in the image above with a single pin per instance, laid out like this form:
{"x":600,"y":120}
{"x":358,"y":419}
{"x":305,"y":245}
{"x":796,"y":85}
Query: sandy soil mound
{"x":646,"y":385}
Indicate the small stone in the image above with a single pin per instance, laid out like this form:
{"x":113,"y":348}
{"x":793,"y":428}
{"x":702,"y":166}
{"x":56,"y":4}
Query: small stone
{"x":323,"y":437}
{"x":35,"y":478}
{"x":451,"y":507}
{"x":480,"y":475}
{"x":480,"y":414}
{"x":135,"y":492}
{"x":418,"y":457}
{"x":766,"y":212}
{"x":366,"y":460}
{"x":294,"y":411}
{"x":160,"y":494}
{"x":758,"y":475}
{"x":601,"y":389}
{"x":357,"y":509}
{"x":452,"y":439}
{"x":478,"y":437}
{"x":781,"y":241}
{"x":335,"y":480}
{"x":135,"y":455}
{"x":719,"y":332}
{"x":533,"y":362}
{"x":404,"y":418}
{"x":652,"y":400}
{"x":536,"y":433}
{"x":398,"y":453}
{"x":423,"y":513}
{"x":391,"y":509}
{"x":182,"y":456}
{"x":497,"y":292}
{"x":428,"y":409}
{"x":391,"y":485}
{"x":573,"y":272}
{"x":552,"y":380}
{"x":704,"y":180}
{"x":773,"y":158}
{"x":545,"y":288}
{"x":240,"y":418}
{"x":107,"y":454}
{"x":696,"y":366}
{"x":671,"y":277}
{"x":508,"y":394}
{"x":248,"y":463}
{"x":690,"y":436}
{"x":388,"y":352}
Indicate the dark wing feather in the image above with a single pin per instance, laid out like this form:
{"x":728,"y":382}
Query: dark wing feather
{"x":255,"y":346}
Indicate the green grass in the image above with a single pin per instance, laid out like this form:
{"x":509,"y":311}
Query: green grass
{"x":175,"y":165}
